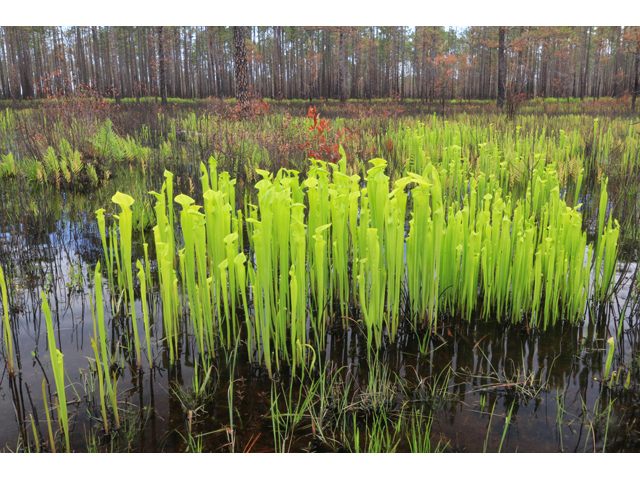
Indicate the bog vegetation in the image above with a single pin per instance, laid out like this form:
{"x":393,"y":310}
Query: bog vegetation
{"x":343,"y":276}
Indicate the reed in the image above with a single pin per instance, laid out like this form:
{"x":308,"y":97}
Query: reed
{"x":57,"y":363}
{"x":507,"y":423}
{"x":164,"y":237}
{"x":103,"y":407}
{"x":35,"y":434}
{"x":609,"y":361}
{"x":46,"y":411}
{"x":142,"y":277}
{"x":101,"y":336}
{"x":125,"y":226}
{"x":419,"y":434}
{"x":8,"y":340}
{"x":103,"y":238}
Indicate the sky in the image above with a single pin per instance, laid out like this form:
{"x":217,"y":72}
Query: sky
{"x":324,"y":12}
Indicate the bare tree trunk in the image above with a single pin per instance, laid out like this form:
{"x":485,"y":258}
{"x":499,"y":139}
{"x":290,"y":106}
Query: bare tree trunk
{"x":250,"y":59}
{"x":163,"y":73}
{"x":135,"y":81}
{"x":24,"y":57}
{"x":187,"y":56}
{"x":275,"y":62}
{"x":39,"y":69}
{"x":143,"y":55}
{"x":152,"y":65}
{"x":617,"y":90}
{"x":106,"y":56}
{"x":342,"y":73}
{"x":177,"y":64}
{"x":3,"y":60}
{"x":585,"y":82}
{"x":281,"y":73}
{"x":402,"y":49}
{"x":395,"y":88}
{"x":114,"y":65}
{"x":584,"y":63}
{"x":210,"y":62}
{"x":371,"y":66}
{"x":96,"y":67}
{"x":520,"y":77}
{"x":220,"y":65}
{"x":544,"y":69}
{"x":355,"y":81}
{"x":597,"y":78}
{"x":125,"y":73}
{"x":12,"y":69}
{"x":82,"y":61}
{"x":302,"y":64}
{"x":635,"y":78}
{"x":422,"y":76}
{"x":502,"y":67}
{"x":483,"y":73}
{"x":324,"y":92}
{"x":240,"y":61}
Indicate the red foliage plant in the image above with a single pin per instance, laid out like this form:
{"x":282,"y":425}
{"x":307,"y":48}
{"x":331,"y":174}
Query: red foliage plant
{"x":319,"y":145}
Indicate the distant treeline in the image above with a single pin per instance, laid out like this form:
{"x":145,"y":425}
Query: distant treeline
{"x":313,"y":62}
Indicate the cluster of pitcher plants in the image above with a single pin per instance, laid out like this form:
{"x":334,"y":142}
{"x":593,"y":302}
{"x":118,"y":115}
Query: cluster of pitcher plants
{"x":333,"y":251}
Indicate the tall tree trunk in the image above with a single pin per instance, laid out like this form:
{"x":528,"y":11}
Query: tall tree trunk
{"x":520,"y":78}
{"x":177,"y":64}
{"x":37,"y":53}
{"x":586,"y":67}
{"x":106,"y":56}
{"x":219,"y":42}
{"x":422,"y":76}
{"x":324,"y":92}
{"x":275,"y":64}
{"x":533,"y":67}
{"x":595,"y":88}
{"x":281,"y":90}
{"x":544,"y":69}
{"x":12,"y":64}
{"x":355,"y":81}
{"x":114,"y":65}
{"x":402,"y":50}
{"x":143,"y":56}
{"x":617,"y":88}
{"x":24,"y":57}
{"x":134,"y":66}
{"x":342,"y":68}
{"x":152,"y":65}
{"x":483,"y":72}
{"x":584,"y":62}
{"x":635,"y":77}
{"x":82,"y":62}
{"x":187,"y":57}
{"x":210,"y":63}
{"x":502,"y":67}
{"x":3,"y":61}
{"x":161,"y":63}
{"x":127,"y":81}
{"x":554,"y":70}
{"x":96,"y":67}
{"x":302,"y":73}
{"x":240,"y":61}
